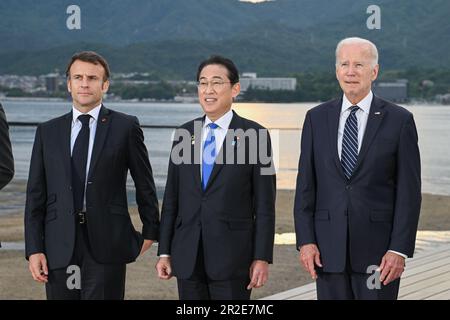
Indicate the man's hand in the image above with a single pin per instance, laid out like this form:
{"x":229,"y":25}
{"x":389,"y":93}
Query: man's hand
{"x":308,"y":256}
{"x":164,"y":268}
{"x":145,"y":246}
{"x":37,"y":263}
{"x":259,"y":273}
{"x":391,"y":267}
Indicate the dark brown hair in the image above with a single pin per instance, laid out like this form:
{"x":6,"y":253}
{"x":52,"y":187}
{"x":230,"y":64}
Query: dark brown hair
{"x":91,"y":57}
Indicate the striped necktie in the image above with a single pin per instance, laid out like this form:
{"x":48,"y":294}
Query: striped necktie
{"x":349,"y":154}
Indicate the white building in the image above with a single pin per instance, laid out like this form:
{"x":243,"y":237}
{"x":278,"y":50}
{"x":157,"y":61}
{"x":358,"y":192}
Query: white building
{"x":250,"y":79}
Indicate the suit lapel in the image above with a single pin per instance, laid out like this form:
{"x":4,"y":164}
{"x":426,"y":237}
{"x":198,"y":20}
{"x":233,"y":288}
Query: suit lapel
{"x":195,"y":150}
{"x":376,"y":115}
{"x":334,"y":113}
{"x":103,"y":123}
{"x":65,"y":131}
{"x":227,"y":147}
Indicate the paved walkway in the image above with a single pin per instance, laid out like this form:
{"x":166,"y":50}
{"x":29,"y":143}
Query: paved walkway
{"x":426,"y":276}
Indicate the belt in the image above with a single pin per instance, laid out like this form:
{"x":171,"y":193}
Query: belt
{"x":81,"y":217}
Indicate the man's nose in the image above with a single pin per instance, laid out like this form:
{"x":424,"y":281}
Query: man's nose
{"x":84,"y":82}
{"x":351,"y":70}
{"x":209,"y":88}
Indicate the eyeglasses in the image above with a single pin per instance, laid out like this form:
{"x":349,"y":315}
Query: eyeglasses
{"x":215,"y":84}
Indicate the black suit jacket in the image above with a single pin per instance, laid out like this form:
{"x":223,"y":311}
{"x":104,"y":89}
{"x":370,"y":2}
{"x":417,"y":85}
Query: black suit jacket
{"x":378,"y":208}
{"x":6,"y":156}
{"x":234,"y":216}
{"x":49,"y":213}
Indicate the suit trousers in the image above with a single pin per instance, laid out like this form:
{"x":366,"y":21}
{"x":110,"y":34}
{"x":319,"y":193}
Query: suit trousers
{"x":200,"y":287}
{"x":350,"y":285}
{"x":85,"y":278}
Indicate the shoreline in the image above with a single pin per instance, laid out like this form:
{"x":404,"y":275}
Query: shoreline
{"x":195,"y":101}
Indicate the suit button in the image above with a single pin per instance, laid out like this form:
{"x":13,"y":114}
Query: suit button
{"x":70,"y":187}
{"x":348,"y":187}
{"x":199,"y":223}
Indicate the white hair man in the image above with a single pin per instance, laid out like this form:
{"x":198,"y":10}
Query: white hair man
{"x":358,"y":192}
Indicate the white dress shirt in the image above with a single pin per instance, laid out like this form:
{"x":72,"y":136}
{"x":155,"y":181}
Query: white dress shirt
{"x":220,"y":132}
{"x":361,"y":115}
{"x":76,"y":128}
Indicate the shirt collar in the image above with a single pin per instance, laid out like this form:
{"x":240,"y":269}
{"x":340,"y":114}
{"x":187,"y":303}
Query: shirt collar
{"x":223,"y":122}
{"x":93,"y":113}
{"x":364,"y":104}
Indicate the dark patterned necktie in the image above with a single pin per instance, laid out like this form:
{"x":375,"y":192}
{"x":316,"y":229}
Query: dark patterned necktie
{"x":79,"y":163}
{"x":349,"y":153}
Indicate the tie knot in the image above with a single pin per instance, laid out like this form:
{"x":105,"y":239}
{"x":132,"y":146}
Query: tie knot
{"x":84,"y":119}
{"x":213,"y":126}
{"x":353,"y":109}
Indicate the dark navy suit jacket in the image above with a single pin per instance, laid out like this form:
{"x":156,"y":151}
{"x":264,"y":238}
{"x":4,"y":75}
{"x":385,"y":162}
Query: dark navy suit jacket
{"x":378,"y":208}
{"x":49,"y":213}
{"x":234,"y":217}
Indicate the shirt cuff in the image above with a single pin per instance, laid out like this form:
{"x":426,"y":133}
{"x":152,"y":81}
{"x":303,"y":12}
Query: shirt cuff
{"x":164,"y":255}
{"x":400,"y":254}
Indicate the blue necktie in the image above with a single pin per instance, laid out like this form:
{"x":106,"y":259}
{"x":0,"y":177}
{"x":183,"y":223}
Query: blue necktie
{"x":79,"y":162}
{"x":349,"y":153}
{"x":209,"y":154}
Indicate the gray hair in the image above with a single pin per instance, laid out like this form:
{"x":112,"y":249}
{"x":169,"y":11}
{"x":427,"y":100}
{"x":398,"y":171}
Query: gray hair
{"x":355,"y":40}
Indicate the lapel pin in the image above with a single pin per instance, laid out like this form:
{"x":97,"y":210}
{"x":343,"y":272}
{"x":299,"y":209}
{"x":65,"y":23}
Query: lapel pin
{"x":235,"y":141}
{"x":378,"y":113}
{"x":103,"y":119}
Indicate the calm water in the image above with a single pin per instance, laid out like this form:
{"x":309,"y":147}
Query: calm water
{"x":285,"y":121}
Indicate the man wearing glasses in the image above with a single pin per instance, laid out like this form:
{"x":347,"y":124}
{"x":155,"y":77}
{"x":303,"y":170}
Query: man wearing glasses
{"x":218,"y":215}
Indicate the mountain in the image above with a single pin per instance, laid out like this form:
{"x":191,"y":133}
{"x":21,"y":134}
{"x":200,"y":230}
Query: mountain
{"x":171,"y":37}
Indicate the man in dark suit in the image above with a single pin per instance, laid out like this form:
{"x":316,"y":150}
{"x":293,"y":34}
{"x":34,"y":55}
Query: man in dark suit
{"x":358,"y":192}
{"x":78,"y":232}
{"x":218,"y":215}
{"x":6,"y":156}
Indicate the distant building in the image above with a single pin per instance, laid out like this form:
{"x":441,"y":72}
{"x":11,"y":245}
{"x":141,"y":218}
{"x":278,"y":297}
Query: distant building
{"x":186,"y":98}
{"x":250,"y":79}
{"x":396,"y":91}
{"x":52,"y":82}
{"x":443,"y":98}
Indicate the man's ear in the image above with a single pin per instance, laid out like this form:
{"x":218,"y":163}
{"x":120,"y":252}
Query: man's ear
{"x":236,"y":90}
{"x":105,"y":86}
{"x":375,"y":71}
